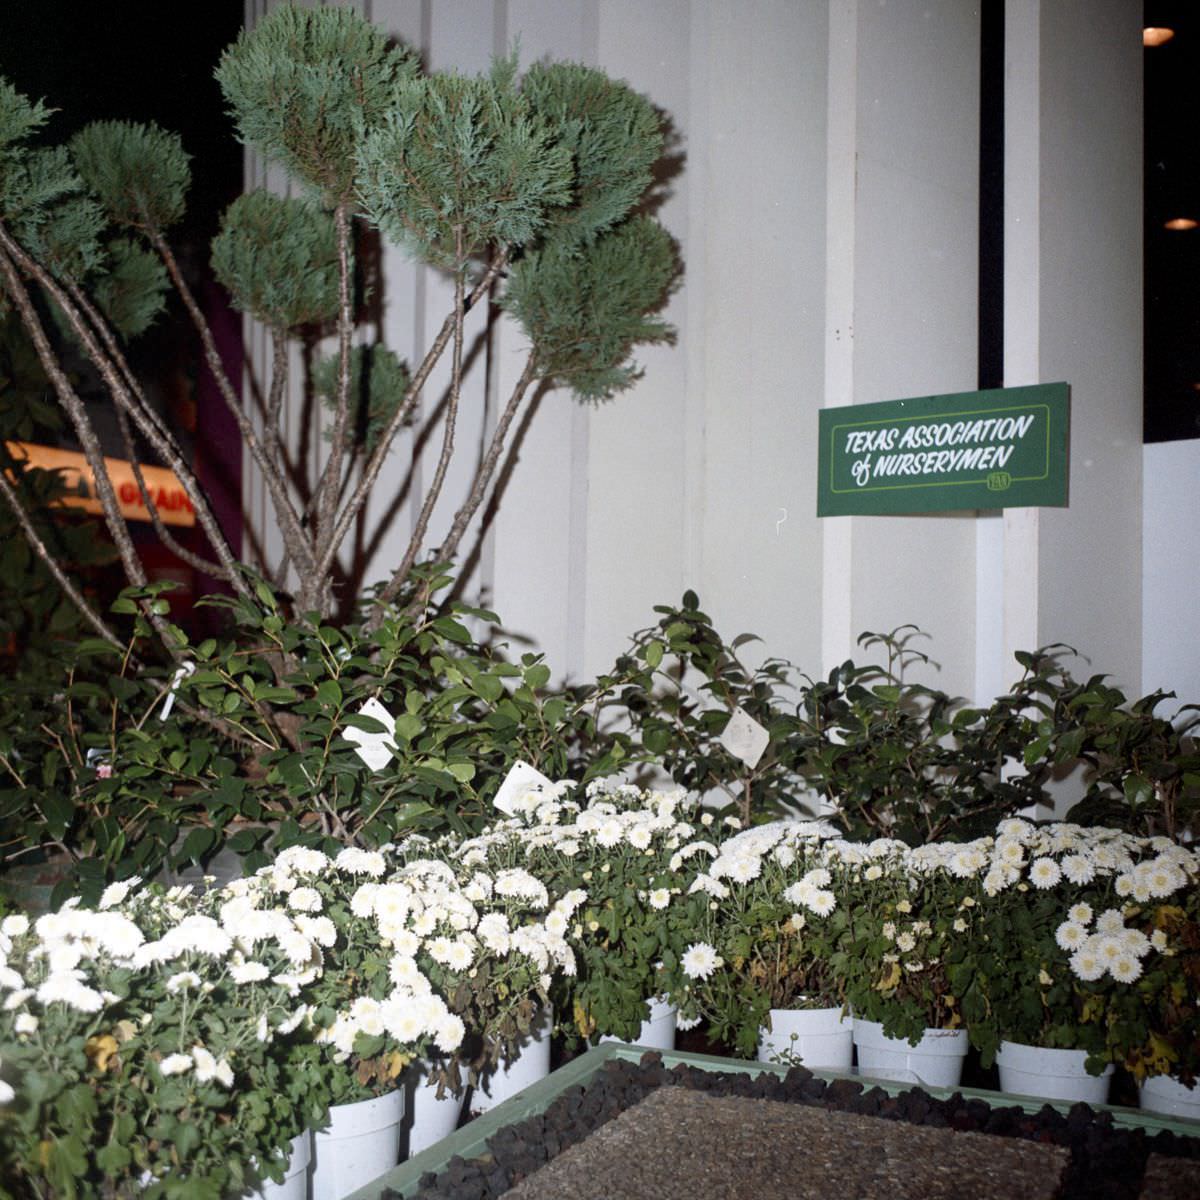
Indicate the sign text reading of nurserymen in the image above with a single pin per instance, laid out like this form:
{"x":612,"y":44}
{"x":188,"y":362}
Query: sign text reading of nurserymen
{"x":996,"y":449}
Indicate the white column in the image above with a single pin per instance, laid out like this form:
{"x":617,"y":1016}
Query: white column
{"x":902,"y":301}
{"x":1073,"y":312}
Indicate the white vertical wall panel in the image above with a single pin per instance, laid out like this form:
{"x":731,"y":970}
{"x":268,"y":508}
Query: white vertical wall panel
{"x":916,"y":299}
{"x":1171,"y":572}
{"x":758,"y":161}
{"x":1073,"y":288}
{"x":1091,"y":315}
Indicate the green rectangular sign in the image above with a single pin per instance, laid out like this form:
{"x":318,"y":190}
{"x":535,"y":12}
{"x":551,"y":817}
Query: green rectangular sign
{"x":1004,"y":448}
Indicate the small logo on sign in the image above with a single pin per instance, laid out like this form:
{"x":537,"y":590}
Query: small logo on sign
{"x":998,"y":481}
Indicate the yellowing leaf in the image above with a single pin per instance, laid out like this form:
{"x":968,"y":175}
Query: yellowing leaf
{"x":891,"y":980}
{"x":396,"y":1062}
{"x":101,"y":1050}
{"x":583,"y":1020}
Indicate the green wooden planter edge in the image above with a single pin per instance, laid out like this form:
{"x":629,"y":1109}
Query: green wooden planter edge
{"x":471,"y":1141}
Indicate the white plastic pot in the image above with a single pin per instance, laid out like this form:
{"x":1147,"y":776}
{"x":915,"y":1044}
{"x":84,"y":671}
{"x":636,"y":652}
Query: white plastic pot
{"x":531,"y":1063}
{"x":1050,"y":1074}
{"x":1162,"y":1094}
{"x":427,"y":1119}
{"x":295,"y":1182}
{"x":821,"y":1038}
{"x":935,"y":1061}
{"x":658,"y":1030}
{"x":361,"y":1142}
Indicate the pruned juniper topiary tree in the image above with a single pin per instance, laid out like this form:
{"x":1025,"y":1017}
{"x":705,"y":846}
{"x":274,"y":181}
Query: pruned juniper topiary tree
{"x":526,"y":190}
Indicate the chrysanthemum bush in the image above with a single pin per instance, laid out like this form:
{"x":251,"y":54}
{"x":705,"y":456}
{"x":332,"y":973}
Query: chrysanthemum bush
{"x":621,"y":863}
{"x":140,"y":1050}
{"x":772,"y":933}
{"x":1089,"y":938}
{"x":171,"y":1043}
{"x":909,"y":947}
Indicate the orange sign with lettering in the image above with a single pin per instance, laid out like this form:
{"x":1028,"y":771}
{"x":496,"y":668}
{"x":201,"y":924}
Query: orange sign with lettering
{"x":163,"y":486}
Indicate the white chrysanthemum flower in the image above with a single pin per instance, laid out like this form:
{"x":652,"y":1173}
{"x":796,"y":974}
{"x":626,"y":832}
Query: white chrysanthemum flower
{"x":822,"y":903}
{"x":568,"y":847}
{"x":175,"y":1064}
{"x":183,"y":981}
{"x":305,"y":900}
{"x":1086,"y":964}
{"x":317,"y":929}
{"x":11,"y":980}
{"x":14,"y":1000}
{"x":1044,"y":873}
{"x":960,"y":926}
{"x":115,"y":893}
{"x":25,"y":1024}
{"x":462,"y":954}
{"x":713,"y":887}
{"x":1078,"y":868}
{"x":199,"y":934}
{"x":1158,"y":939}
{"x":449,"y":1034}
{"x":742,"y":868}
{"x":362,"y":903}
{"x":301,"y":1013}
{"x":873,"y":872}
{"x":1162,"y":878}
{"x":784,"y":855}
{"x":1112,"y":920}
{"x":355,"y":861}
{"x":660,"y":898}
{"x":556,"y":923}
{"x":14,"y":925}
{"x":1009,"y":852}
{"x":1108,"y":947}
{"x":1070,"y":936}
{"x":298,"y":950}
{"x":1125,"y":968}
{"x":1126,"y":885}
{"x":519,"y":883}
{"x":1136,"y":942}
{"x":905,"y":942}
{"x":639,"y":837}
{"x":400,"y":1019}
{"x":1014,"y":827}
{"x":66,"y":988}
{"x":1081,"y":913}
{"x":700,"y":960}
{"x":404,"y":941}
{"x":995,"y":881}
{"x":365,"y":1013}
{"x":439,"y":949}
{"x":248,"y":972}
{"x":302,"y":860}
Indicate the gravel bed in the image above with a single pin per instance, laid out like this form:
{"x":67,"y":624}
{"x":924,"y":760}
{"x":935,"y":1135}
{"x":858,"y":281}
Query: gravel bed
{"x":1106,"y":1161}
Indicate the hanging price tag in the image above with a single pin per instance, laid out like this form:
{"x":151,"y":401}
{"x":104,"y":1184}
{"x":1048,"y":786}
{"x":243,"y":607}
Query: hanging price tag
{"x":518,"y":783}
{"x":745,"y":738}
{"x":185,"y":669}
{"x":375,"y":749}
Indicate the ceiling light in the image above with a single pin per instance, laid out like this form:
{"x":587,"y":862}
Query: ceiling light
{"x":1156,"y":35}
{"x":1178,"y":223}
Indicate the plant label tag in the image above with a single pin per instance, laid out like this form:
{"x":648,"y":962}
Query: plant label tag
{"x":520,"y":780}
{"x":745,"y":738}
{"x":375,"y":749}
{"x":184,"y":670}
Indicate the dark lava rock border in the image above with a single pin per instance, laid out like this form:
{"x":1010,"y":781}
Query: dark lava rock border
{"x":1107,"y":1161}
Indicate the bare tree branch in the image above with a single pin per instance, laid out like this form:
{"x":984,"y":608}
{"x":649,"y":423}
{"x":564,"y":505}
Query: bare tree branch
{"x":388,"y":594}
{"x":289,"y":520}
{"x":39,"y":546}
{"x":128,"y":399}
{"x":75,"y":410}
{"x":375,"y":463}
{"x":329,"y":486}
{"x":487,"y":468}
